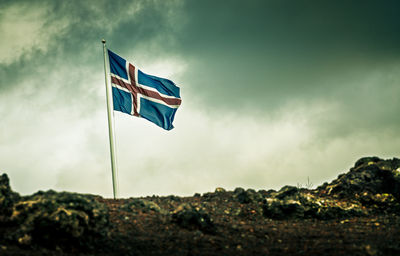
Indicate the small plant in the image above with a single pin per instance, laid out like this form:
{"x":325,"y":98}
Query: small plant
{"x":307,"y":185}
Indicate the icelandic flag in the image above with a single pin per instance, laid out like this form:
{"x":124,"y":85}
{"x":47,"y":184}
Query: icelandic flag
{"x":136,"y":93}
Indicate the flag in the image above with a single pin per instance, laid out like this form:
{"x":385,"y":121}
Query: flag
{"x":138,"y":94}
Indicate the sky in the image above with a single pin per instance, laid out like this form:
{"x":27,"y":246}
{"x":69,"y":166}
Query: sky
{"x":274,"y":92}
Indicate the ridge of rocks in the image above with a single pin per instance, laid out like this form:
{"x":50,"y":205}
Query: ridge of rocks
{"x":58,"y":219}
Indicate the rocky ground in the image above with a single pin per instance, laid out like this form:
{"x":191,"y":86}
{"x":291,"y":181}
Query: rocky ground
{"x":356,"y":214}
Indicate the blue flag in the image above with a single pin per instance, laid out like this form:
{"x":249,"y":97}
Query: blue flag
{"x":136,"y":93}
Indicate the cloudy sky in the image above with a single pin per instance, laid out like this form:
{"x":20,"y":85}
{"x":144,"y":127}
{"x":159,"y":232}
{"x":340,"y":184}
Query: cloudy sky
{"x":273,"y":92}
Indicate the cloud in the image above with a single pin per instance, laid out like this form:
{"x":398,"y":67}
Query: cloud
{"x":21,"y":27}
{"x":273,"y":92}
{"x":25,"y":29}
{"x":59,"y":148}
{"x":271,"y":52}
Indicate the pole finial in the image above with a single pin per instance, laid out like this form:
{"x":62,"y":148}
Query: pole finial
{"x":103,"y":41}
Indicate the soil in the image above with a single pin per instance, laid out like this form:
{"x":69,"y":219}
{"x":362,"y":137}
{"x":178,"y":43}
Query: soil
{"x":151,"y":233}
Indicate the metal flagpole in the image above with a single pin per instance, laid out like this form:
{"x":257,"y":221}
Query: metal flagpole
{"x":110,"y":123}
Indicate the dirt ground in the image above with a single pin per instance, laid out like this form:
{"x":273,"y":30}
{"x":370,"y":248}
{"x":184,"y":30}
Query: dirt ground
{"x":147,"y":232}
{"x":252,"y":234}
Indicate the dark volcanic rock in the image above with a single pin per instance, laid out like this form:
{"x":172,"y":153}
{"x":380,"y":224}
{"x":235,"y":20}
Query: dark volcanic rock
{"x":59,"y":219}
{"x":144,"y":206}
{"x":371,"y":186}
{"x":306,"y":205}
{"x":367,"y":160}
{"x":379,"y":203}
{"x":7,"y":196}
{"x":190,"y":217}
{"x":287,"y":191}
{"x":247,"y":196}
{"x":281,"y":209}
{"x":372,"y":175}
{"x":231,"y":222}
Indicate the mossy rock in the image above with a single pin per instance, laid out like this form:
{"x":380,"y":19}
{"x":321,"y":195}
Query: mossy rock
{"x":7,"y":197}
{"x":60,"y":219}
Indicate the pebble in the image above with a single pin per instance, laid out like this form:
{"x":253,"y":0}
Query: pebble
{"x":369,"y":250}
{"x":220,"y":190}
{"x":25,"y":240}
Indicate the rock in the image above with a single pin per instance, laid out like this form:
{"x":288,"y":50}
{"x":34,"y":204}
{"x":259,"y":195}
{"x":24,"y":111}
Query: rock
{"x":189,"y":217}
{"x":370,"y":174}
{"x":303,"y":204}
{"x":220,"y":190}
{"x":367,"y":160}
{"x":174,"y":198}
{"x":247,"y":196}
{"x":370,"y":251}
{"x":238,"y":191}
{"x":244,"y":197}
{"x":7,"y":196}
{"x":251,"y":191}
{"x":59,"y":219}
{"x":208,"y":196}
{"x":262,"y":192}
{"x":337,"y":212}
{"x":282,"y":209}
{"x":25,"y":240}
{"x":379,"y":203}
{"x":144,"y":206}
{"x":287,"y":191}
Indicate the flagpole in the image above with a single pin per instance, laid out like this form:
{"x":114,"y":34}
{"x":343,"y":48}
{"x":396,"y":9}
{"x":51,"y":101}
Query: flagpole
{"x":110,"y":123}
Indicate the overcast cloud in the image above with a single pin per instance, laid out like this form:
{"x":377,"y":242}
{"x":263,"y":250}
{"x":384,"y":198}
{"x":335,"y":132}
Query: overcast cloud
{"x":273,"y":92}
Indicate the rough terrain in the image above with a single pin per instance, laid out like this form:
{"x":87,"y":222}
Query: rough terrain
{"x":356,"y":214}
